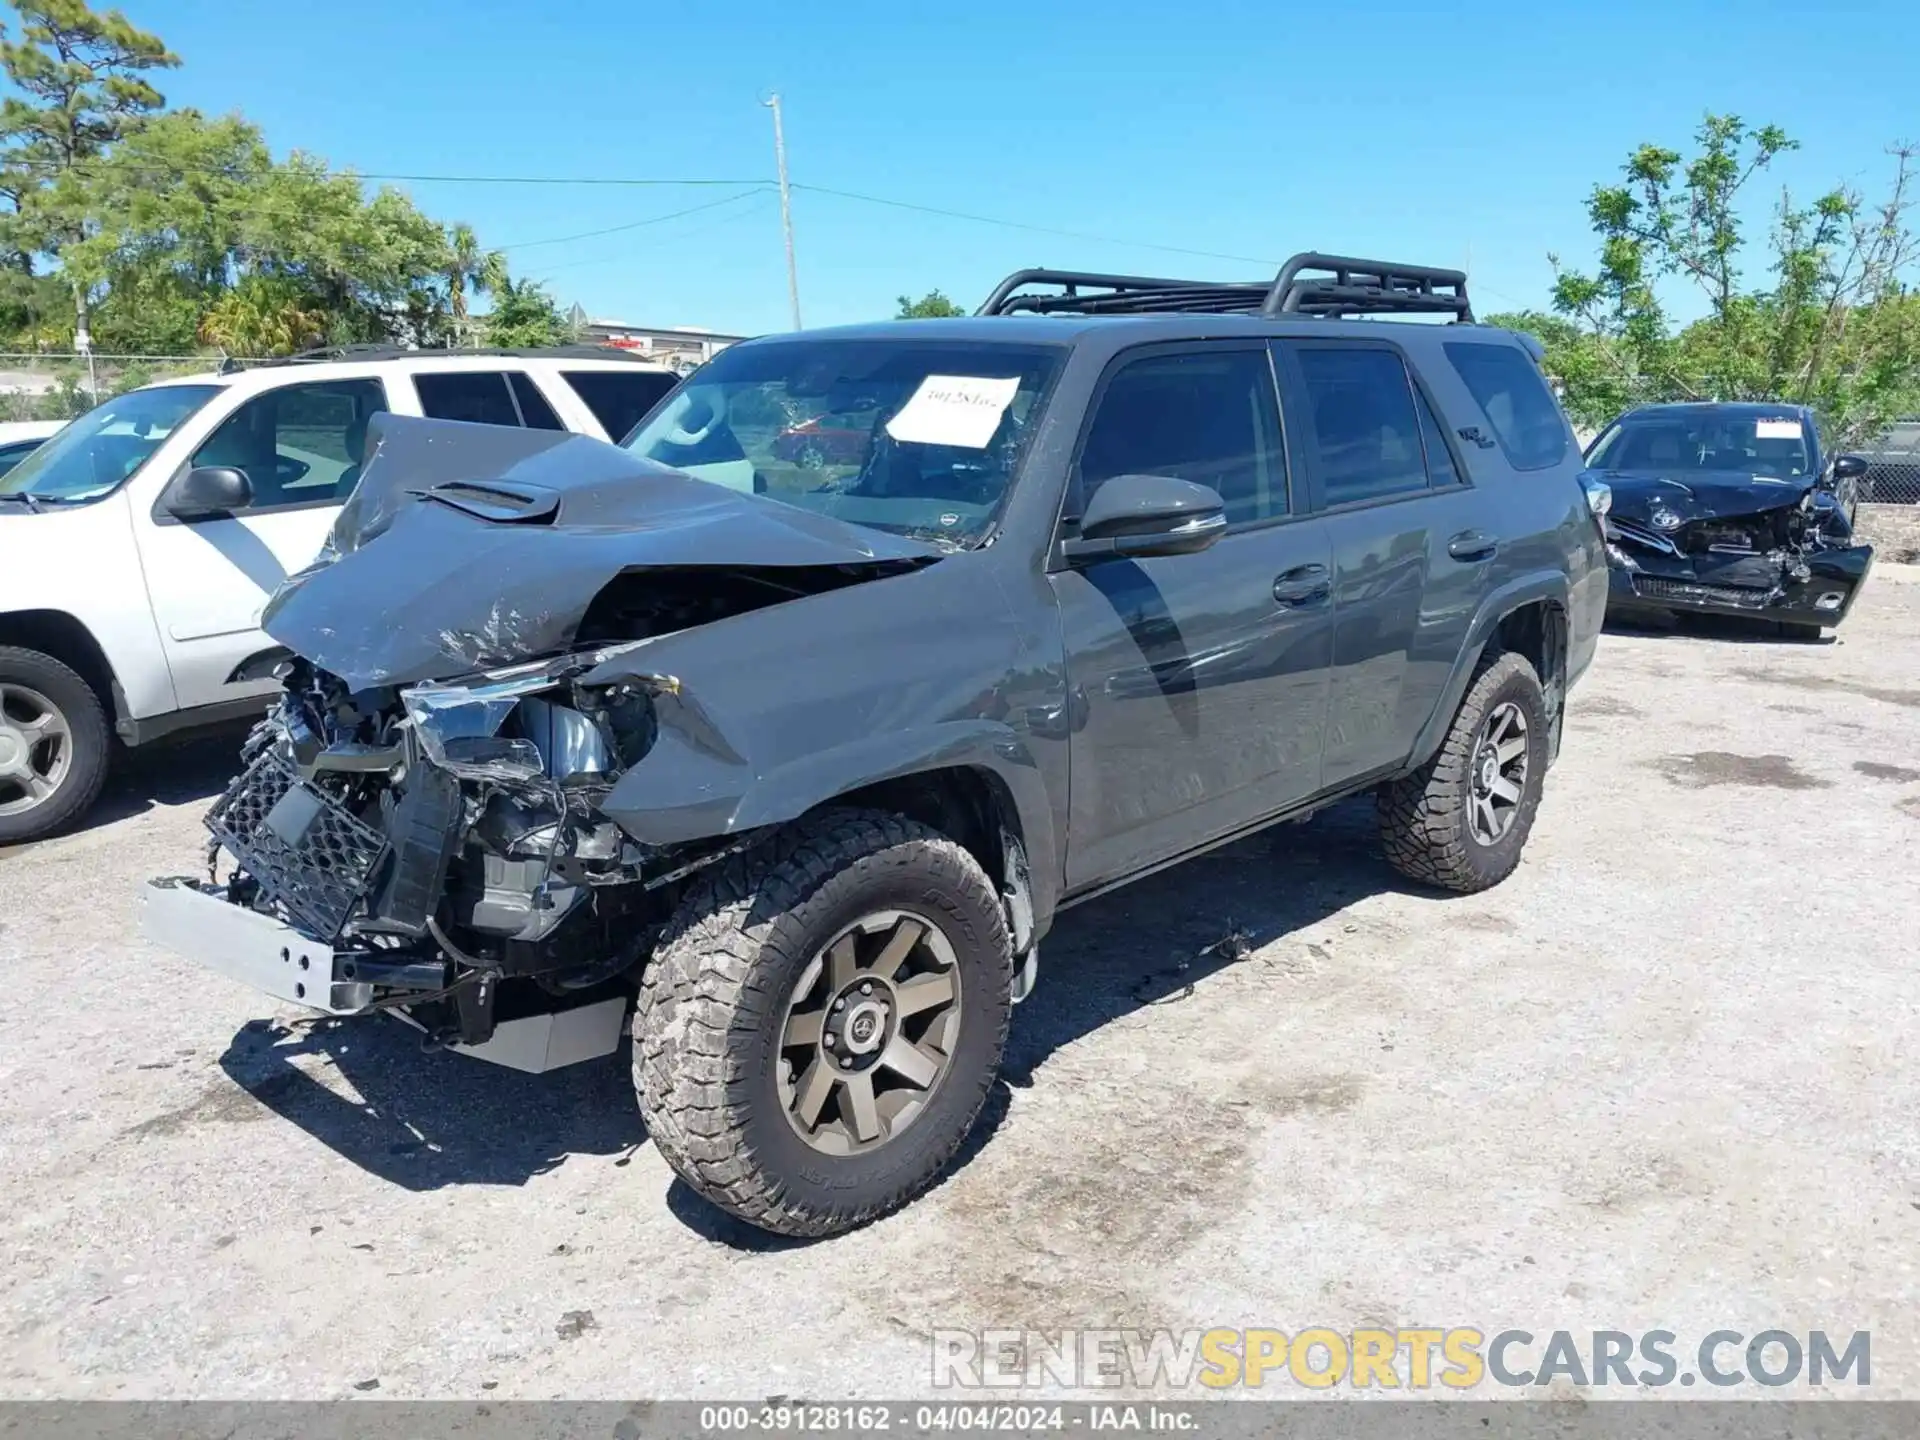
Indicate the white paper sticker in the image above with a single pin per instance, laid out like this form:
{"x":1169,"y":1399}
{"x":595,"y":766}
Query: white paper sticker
{"x":1776,"y":429}
{"x":960,"y":410}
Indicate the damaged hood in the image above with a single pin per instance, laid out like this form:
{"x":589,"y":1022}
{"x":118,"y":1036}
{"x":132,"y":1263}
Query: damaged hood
{"x":1700,"y":494}
{"x":466,"y":547}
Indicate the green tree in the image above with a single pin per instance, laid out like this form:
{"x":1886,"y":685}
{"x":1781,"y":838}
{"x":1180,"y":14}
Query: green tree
{"x":81,"y":78}
{"x":523,"y":316}
{"x":931,"y":306}
{"x":1825,"y":317}
{"x":470,"y":268}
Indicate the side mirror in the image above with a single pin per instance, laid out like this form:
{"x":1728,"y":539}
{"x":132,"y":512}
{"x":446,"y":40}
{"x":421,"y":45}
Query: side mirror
{"x":1849,"y":467}
{"x":208,"y":491}
{"x":1141,"y":515}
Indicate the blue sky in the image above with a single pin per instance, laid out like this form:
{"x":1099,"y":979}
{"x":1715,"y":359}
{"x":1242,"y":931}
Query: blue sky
{"x":1468,"y":135}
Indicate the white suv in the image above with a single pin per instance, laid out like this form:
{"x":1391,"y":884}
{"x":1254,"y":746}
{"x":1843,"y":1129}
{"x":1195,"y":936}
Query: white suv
{"x":138,"y":546}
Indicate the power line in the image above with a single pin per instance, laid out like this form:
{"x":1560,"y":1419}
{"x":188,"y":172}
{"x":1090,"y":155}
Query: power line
{"x":55,"y":167}
{"x":633,"y":224}
{"x":1036,"y":229}
{"x":759,"y":207}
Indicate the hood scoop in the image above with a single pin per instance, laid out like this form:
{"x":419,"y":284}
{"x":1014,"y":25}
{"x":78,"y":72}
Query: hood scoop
{"x":503,"y":502}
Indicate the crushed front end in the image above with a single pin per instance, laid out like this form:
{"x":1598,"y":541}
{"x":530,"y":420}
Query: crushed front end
{"x":1795,"y":561}
{"x":437,"y":851}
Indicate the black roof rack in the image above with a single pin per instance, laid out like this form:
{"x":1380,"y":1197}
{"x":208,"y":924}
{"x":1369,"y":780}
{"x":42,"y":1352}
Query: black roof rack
{"x":1308,"y":284}
{"x":381,"y":351}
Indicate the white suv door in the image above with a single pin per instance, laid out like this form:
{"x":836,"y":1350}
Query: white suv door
{"x":300,"y":446}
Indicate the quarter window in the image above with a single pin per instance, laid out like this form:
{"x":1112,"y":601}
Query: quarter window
{"x":1441,"y":470}
{"x":299,"y":445}
{"x":1516,"y":401}
{"x":1366,"y":432}
{"x":1209,"y":416}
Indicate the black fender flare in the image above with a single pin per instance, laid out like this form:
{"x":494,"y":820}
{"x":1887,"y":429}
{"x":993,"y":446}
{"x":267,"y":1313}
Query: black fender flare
{"x":1549,"y":585}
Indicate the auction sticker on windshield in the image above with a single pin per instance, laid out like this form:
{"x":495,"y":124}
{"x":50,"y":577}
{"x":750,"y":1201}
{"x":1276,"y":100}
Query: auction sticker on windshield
{"x":961,"y":410}
{"x":1776,"y":429}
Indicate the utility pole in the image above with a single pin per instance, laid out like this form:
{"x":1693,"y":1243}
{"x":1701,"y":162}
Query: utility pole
{"x":772,"y":102}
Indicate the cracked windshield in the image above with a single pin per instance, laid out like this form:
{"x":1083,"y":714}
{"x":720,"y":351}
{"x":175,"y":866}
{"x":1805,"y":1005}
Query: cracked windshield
{"x":916,"y":439}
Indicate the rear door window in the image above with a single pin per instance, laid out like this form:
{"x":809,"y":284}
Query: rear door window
{"x":535,"y":412}
{"x":1513,"y":395}
{"x":619,"y":400}
{"x":1358,"y":408}
{"x":479,"y":397}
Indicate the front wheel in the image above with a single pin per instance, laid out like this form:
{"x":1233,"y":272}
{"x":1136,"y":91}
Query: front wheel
{"x":1461,"y":820}
{"x":822,"y":1022}
{"x":53,"y":745}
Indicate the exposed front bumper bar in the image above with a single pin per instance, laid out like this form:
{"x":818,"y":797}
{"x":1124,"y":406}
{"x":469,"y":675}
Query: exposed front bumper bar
{"x":199,"y":922}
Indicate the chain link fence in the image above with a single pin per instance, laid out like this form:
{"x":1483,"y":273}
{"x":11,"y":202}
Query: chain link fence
{"x":60,"y":386}
{"x":1893,"y":467}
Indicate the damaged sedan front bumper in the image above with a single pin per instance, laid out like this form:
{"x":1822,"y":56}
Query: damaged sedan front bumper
{"x":1822,"y":596}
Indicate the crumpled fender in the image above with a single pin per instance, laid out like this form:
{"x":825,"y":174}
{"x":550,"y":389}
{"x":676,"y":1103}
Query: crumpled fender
{"x":758,"y":723}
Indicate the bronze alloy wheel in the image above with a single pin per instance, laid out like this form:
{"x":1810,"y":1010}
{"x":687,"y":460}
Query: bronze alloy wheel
{"x":869,"y":1033}
{"x":1498,"y":778}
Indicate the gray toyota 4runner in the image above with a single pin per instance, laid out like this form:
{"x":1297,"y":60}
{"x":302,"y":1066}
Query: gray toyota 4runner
{"x":787,"y":728}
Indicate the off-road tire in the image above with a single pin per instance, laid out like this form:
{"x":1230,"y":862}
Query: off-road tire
{"x":706,"y":1032}
{"x":87,"y":727}
{"x":1423,"y":816}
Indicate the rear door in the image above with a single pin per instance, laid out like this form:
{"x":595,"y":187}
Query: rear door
{"x":1407,"y":564}
{"x":1201,"y":679}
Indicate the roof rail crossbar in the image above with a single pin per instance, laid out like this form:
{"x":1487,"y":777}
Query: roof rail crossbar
{"x":1366,"y":287}
{"x":1339,"y":286}
{"x":1121,"y":295}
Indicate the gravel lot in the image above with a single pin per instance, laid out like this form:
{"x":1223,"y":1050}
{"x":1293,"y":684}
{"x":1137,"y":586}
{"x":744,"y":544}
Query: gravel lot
{"x":1665,"y":1076}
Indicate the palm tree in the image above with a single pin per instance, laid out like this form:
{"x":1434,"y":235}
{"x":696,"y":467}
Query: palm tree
{"x":470,"y":267}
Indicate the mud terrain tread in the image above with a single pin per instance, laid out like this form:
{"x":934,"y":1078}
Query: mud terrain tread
{"x":710,"y":977}
{"x":1422,"y":825}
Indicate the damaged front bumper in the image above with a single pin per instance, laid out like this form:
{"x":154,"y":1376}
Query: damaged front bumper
{"x":205,"y":924}
{"x":1810,"y":587}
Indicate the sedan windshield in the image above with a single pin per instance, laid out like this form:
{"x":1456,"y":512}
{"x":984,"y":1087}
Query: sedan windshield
{"x":912,"y":436}
{"x":1675,"y":444}
{"x":106,"y":445}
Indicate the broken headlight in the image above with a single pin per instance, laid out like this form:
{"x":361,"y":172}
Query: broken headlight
{"x":459,"y":727}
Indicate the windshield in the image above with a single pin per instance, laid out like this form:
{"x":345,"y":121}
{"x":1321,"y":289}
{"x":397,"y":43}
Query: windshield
{"x":912,"y":436}
{"x":1675,"y":444}
{"x":105,"y":445}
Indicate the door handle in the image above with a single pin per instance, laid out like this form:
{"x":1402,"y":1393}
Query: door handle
{"x":1302,"y":585}
{"x":1472,"y":545}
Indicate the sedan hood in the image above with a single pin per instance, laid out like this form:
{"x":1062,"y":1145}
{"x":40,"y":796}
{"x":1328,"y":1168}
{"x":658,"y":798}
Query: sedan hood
{"x":1700,"y":494}
{"x":468,"y":547}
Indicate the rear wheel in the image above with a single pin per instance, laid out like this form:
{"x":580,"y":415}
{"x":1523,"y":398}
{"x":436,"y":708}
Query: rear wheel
{"x":819,"y":1028}
{"x":53,"y":745}
{"x":1461,"y":820}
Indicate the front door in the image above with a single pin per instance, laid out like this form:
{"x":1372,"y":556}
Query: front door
{"x":300,"y":446}
{"x":1201,"y":678}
